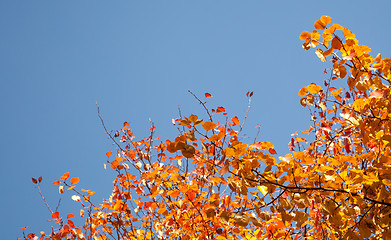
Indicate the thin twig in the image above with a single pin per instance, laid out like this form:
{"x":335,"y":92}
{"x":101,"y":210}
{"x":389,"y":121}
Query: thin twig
{"x":203,"y":104}
{"x":104,"y":126}
{"x":248,"y":109}
{"x":43,"y":198}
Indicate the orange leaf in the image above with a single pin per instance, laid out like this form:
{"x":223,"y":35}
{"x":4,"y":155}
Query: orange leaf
{"x":303,"y":91}
{"x":208,"y":95}
{"x":108,"y":154}
{"x":55,"y":215}
{"x":65,"y":176}
{"x":56,"y":182}
{"x":114,"y":164}
{"x":336,"y":43}
{"x":319,"y":25}
{"x":272,"y":151}
{"x":70,"y":216}
{"x":161,"y":210}
{"x":24,"y":228}
{"x":325,"y":20}
{"x":209,"y":125}
{"x":126,"y":124}
{"x":328,"y":52}
{"x":305,"y":35}
{"x":175,"y":193}
{"x":235,"y":120}
{"x":119,"y":159}
{"x":74,"y":180}
{"x":220,"y":109}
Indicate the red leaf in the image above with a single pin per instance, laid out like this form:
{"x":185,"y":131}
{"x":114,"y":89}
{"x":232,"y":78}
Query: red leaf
{"x":272,"y":151}
{"x":208,"y":95}
{"x":56,"y":182}
{"x":74,"y":180}
{"x":251,"y":94}
{"x":34,"y":180}
{"x":40,"y":179}
{"x":126,"y":124}
{"x":55,"y":215}
{"x":65,"y":176}
{"x":70,"y":223}
{"x":220,"y":109}
{"x":291,"y":144}
{"x":108,"y":154}
{"x":247,"y":94}
{"x":70,"y":216}
{"x":31,"y":235}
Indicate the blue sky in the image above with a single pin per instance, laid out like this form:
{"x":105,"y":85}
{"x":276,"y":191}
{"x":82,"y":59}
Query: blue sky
{"x":137,"y":59}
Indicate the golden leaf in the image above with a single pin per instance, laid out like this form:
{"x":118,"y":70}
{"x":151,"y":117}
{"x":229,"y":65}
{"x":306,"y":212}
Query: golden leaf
{"x":303,"y":91}
{"x":209,"y":125}
{"x":313,"y":88}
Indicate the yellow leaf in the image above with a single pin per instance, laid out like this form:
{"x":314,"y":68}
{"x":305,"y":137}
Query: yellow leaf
{"x":209,"y":125}
{"x":263,"y":189}
{"x":313,"y":88}
{"x":358,"y":105}
{"x":336,"y":92}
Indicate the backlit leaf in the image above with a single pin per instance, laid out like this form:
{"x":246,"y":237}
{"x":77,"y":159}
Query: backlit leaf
{"x":74,"y":180}
{"x":65,"y":176}
{"x":209,"y":125}
{"x":56,"y":182}
{"x":319,"y":53}
{"x":313,"y":88}
{"x":220,"y":109}
{"x":235,"y":120}
{"x":55,"y":215}
{"x":303,"y":91}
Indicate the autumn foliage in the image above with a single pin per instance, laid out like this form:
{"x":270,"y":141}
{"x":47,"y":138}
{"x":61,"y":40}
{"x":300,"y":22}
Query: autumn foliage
{"x":209,"y":183}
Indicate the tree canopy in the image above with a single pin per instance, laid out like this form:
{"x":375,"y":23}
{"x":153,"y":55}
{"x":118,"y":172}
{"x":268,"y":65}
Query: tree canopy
{"x":212,"y":183}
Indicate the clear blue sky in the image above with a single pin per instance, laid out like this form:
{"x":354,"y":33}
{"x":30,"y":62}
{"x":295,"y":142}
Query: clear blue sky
{"x":138,"y":59}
